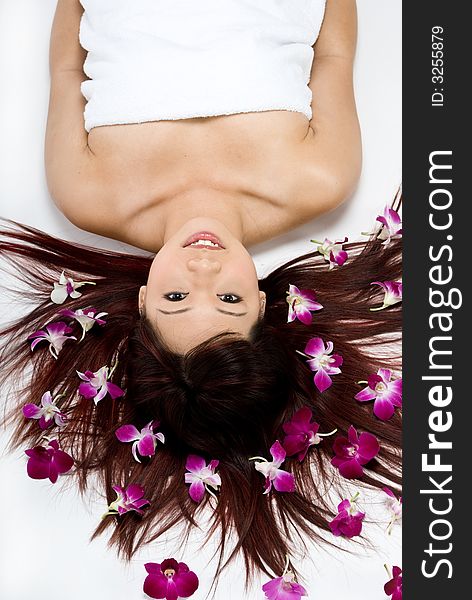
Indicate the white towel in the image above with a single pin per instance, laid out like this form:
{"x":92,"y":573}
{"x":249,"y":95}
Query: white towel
{"x":152,"y":60}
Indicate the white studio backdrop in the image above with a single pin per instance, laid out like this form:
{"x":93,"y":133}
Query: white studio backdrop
{"x":44,"y":549}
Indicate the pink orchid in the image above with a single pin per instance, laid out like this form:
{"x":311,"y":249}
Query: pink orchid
{"x":301,"y":302}
{"x":67,"y":287}
{"x":301,"y":433}
{"x":322,"y":363}
{"x":86,"y":318}
{"x":54,"y":333}
{"x":47,"y":414}
{"x":394,"y":506}
{"x":49,"y":462}
{"x":348,"y":521}
{"x":284,"y":587}
{"x":392,"y":225}
{"x":393,"y":291}
{"x":170,"y":580}
{"x":201,"y":477}
{"x":96,"y":385}
{"x":127,"y":500}
{"x":387,"y":394}
{"x":353,"y":452}
{"x":332,"y":251}
{"x":145,"y":441}
{"x":282,"y":481}
{"x":393,"y":587}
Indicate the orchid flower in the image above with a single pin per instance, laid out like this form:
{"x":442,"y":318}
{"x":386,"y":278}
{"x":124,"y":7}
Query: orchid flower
{"x":387,"y":394}
{"x":49,"y":462}
{"x":284,"y":587}
{"x":54,"y":333}
{"x":353,"y":452}
{"x":395,"y":507}
{"x":170,"y":580}
{"x":300,"y":303}
{"x":393,"y":291}
{"x":393,"y":587}
{"x":280,"y":479}
{"x":201,"y":477}
{"x":321,"y":362}
{"x":48,"y":413}
{"x":67,"y":287}
{"x":145,"y":441}
{"x":301,"y":433}
{"x":86,"y":318}
{"x":348,"y":521}
{"x":96,"y":385}
{"x":127,"y":500}
{"x":392,"y":225}
{"x":332,"y":251}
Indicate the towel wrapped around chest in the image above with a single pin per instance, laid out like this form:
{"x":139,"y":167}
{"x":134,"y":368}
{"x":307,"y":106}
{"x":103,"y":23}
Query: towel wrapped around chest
{"x":153,"y":60}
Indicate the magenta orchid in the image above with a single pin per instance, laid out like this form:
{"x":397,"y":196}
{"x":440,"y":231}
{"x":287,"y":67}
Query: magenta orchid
{"x":301,"y":433}
{"x":67,"y":287}
{"x":284,"y":587}
{"x":300,"y":303}
{"x":86,"y":318}
{"x":321,"y":361}
{"x":348,"y":522}
{"x":170,"y":580}
{"x":48,"y":413}
{"x":201,"y":477}
{"x":96,"y":385}
{"x":145,"y":441}
{"x":49,"y":462}
{"x":395,"y":507}
{"x":386,"y":393}
{"x":393,"y":291}
{"x":353,"y":452}
{"x":393,"y":587}
{"x":332,"y":251}
{"x":280,"y":479}
{"x":129,"y":499}
{"x":54,"y":333}
{"x":392,"y":225}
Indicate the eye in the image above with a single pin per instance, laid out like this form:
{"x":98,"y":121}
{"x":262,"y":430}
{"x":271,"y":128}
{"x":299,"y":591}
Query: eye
{"x":229,"y":298}
{"x":175,"y":296}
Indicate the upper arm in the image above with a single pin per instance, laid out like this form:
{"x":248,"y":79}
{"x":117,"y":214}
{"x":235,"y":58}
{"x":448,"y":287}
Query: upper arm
{"x":67,"y":155}
{"x":335,"y":144}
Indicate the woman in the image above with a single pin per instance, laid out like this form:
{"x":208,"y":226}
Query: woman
{"x":243,"y":177}
{"x":199,"y":191}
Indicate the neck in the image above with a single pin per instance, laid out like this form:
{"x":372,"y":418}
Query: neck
{"x":208,"y":203}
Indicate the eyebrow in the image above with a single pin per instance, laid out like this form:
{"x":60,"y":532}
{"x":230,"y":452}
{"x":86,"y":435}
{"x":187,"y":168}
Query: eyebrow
{"x":182,"y":310}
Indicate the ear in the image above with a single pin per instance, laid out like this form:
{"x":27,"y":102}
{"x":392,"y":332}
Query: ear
{"x":262,"y":303}
{"x":142,"y":299}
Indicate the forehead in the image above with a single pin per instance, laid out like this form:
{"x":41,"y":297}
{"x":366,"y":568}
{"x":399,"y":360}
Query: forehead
{"x":183,"y":331}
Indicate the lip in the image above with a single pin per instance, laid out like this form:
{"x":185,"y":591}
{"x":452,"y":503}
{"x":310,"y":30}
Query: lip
{"x":204,"y":235}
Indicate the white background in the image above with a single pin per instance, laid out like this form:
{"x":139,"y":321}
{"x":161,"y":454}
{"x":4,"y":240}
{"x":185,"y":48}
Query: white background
{"x":44,"y":549}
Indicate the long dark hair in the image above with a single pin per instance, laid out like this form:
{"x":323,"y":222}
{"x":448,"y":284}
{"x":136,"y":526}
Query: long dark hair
{"x":226,"y":399}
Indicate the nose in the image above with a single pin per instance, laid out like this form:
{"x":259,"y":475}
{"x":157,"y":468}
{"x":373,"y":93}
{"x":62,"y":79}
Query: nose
{"x":203,"y":265}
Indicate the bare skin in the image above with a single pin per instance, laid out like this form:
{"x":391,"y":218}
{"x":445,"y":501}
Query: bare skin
{"x":262,"y":174}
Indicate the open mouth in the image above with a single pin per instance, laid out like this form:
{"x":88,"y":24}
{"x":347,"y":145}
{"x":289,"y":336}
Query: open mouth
{"x":204,"y":239}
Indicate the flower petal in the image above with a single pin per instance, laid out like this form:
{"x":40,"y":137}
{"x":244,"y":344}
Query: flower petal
{"x":322,"y":380}
{"x":278,"y":453}
{"x":127,"y":433}
{"x":197,"y":491}
{"x":315,"y":347}
{"x":351,"y":469}
{"x":284,"y":482}
{"x":195,"y":463}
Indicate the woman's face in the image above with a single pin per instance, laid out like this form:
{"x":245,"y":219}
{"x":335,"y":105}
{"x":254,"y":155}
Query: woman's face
{"x":201,"y":283}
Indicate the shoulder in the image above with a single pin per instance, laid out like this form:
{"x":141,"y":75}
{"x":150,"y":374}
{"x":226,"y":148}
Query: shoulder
{"x":322,"y":180}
